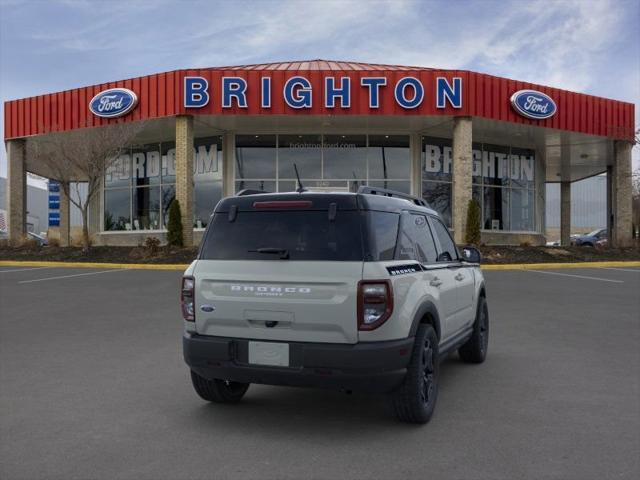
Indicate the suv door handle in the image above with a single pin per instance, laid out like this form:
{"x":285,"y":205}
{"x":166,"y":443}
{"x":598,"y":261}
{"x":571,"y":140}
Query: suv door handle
{"x":436,"y":282}
{"x":459,"y":277}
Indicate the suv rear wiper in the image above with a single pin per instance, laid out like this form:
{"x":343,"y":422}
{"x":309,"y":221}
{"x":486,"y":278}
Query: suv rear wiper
{"x":283,"y":252}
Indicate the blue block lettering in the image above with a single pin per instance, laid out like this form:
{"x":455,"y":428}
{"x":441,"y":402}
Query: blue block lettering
{"x":401,"y":92}
{"x":331,"y":92}
{"x":234,"y":87}
{"x":374,"y":84}
{"x":444,"y":92}
{"x":196,"y":93}
{"x":297,"y":92}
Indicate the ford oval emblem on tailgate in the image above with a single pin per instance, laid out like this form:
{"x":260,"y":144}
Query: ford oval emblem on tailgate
{"x":207,"y":308}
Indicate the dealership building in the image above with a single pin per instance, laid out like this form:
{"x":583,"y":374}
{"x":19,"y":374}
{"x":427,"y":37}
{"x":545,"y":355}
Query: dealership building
{"x":447,"y":136}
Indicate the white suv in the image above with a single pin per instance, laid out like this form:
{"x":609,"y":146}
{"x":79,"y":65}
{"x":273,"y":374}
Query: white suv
{"x":356,"y":291}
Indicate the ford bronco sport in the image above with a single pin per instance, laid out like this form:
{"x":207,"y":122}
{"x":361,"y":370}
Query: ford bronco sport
{"x":357,"y":291}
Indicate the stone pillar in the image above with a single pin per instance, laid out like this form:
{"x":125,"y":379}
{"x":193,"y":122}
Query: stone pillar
{"x":415,"y":144}
{"x":184,"y":175}
{"x":621,"y":184}
{"x":462,"y":175}
{"x":565,"y":213}
{"x":65,"y":218}
{"x":16,"y":191}
{"x":228,"y":164}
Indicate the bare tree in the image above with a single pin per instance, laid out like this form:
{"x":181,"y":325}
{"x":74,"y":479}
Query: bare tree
{"x":82,"y":156}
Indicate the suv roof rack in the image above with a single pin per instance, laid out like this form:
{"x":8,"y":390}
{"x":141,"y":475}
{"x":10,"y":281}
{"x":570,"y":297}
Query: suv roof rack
{"x":248,"y":191}
{"x":392,"y":193}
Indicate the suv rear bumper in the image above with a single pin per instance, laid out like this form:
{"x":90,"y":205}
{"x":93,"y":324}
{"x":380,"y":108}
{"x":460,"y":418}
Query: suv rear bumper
{"x":367,"y":367}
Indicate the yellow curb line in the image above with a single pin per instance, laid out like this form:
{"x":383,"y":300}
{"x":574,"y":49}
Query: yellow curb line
{"x":165,"y":266}
{"x":554,"y":266}
{"x":130,"y":266}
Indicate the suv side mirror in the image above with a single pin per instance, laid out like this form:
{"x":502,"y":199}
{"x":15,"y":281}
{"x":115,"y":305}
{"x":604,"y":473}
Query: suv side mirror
{"x":471,"y":255}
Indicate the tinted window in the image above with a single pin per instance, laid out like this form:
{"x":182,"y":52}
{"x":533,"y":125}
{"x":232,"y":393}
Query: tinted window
{"x":415,"y":242}
{"x":383,"y":232}
{"x":304,"y":235}
{"x":424,"y":239}
{"x":447,"y":247}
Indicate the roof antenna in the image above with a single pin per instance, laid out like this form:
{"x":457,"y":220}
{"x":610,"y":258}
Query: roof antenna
{"x":300,"y":188}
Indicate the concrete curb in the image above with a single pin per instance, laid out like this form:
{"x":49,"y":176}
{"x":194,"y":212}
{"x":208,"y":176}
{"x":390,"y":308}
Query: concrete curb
{"x":129,"y":266}
{"x":165,"y":266}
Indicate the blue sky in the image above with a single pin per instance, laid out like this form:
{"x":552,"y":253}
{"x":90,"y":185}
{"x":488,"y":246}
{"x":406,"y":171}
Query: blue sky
{"x":582,"y":45}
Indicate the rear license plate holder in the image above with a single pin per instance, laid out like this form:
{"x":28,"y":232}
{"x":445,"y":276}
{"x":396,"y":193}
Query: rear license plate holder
{"x":269,"y":353}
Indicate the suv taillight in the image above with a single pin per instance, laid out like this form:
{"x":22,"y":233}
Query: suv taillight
{"x":187,"y":298}
{"x":375,"y":303}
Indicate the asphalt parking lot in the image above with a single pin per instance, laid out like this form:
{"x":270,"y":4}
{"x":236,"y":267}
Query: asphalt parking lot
{"x":92,"y":385}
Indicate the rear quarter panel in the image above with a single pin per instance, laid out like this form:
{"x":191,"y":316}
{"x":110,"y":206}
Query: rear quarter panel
{"x":410,"y":292}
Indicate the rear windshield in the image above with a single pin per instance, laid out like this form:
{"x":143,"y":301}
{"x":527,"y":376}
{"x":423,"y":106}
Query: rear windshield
{"x":302,"y":235}
{"x":292,"y":235}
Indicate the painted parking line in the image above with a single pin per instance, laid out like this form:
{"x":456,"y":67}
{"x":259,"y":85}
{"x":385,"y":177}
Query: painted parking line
{"x":24,"y":269}
{"x":637,"y":270}
{"x":576,"y":276}
{"x":68,"y":276}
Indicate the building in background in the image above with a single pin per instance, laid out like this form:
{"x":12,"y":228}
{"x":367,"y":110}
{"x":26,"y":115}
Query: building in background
{"x":37,"y":208}
{"x":445,"y":135}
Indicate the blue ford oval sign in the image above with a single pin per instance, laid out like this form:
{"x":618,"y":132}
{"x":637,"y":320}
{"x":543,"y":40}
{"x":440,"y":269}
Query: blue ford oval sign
{"x":533,"y":104}
{"x":114,"y":102}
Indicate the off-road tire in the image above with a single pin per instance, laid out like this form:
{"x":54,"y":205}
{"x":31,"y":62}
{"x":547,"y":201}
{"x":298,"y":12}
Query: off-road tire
{"x":415,"y":400}
{"x":218,"y":391}
{"x":474,"y":350}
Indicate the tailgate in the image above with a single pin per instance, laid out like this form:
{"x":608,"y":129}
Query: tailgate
{"x":304,"y":301}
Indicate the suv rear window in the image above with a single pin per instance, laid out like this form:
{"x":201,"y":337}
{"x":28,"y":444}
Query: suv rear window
{"x":302,"y":234}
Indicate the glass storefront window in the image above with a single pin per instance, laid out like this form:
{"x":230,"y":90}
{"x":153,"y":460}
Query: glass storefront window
{"x":403,"y":186}
{"x":145,"y":165}
{"x":438,"y":197}
{"x":207,"y":178}
{"x":207,"y":195}
{"x":303,"y":150}
{"x":344,"y":156}
{"x":152,"y":168}
{"x":333,"y":162}
{"x":264,"y":185}
{"x":168,"y":162}
{"x":522,"y":209}
{"x":118,"y":174}
{"x":497,"y":171}
{"x":522,"y":163}
{"x":437,"y":164}
{"x":256,"y":157}
{"x":168,"y":194}
{"x":495,"y":165}
{"x":117,"y":215}
{"x":496,"y":208}
{"x":146,"y":208}
{"x":389,"y":157}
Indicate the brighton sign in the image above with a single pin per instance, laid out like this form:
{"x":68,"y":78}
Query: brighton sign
{"x":408,"y":92}
{"x":533,"y":104}
{"x":113,"y":103}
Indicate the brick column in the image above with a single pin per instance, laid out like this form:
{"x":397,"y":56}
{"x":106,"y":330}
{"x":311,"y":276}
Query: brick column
{"x":65,"y":219}
{"x":462,"y":175}
{"x":16,"y":191}
{"x":565,"y":213}
{"x":184,"y":174}
{"x":621,"y":184}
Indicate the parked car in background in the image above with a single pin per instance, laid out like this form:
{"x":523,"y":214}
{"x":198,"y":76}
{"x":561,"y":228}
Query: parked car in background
{"x":590,"y":239}
{"x":41,"y":239}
